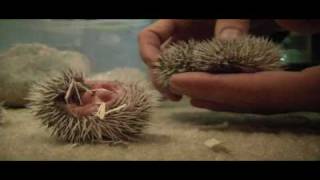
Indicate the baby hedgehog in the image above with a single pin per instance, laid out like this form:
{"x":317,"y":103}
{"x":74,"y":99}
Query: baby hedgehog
{"x":114,"y":107}
{"x":244,"y":55}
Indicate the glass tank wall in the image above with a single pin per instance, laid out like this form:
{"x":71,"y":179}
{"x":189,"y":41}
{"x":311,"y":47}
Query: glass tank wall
{"x":107,"y":43}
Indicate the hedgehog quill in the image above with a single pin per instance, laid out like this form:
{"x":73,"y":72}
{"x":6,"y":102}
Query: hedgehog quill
{"x":244,"y":55}
{"x":80,"y":110}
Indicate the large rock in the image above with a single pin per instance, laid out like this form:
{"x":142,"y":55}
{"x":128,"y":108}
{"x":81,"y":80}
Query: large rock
{"x":24,"y":64}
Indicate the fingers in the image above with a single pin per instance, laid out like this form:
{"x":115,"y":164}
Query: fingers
{"x":221,"y":89}
{"x":265,"y":91}
{"x":155,"y":38}
{"x":165,"y":92}
{"x":151,"y":38}
{"x":231,"y":28}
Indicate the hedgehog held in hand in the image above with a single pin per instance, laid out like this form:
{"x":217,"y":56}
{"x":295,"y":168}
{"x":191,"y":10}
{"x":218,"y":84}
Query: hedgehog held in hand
{"x":243,"y":55}
{"x":93,"y":111}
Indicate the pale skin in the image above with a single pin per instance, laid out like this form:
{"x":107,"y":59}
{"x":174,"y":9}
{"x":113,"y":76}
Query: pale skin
{"x":264,"y":92}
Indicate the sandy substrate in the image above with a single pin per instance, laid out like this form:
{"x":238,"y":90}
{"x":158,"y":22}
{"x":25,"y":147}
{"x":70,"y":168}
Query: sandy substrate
{"x":177,"y":132}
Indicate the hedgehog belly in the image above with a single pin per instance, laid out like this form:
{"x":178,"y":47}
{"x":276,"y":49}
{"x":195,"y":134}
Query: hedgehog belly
{"x":99,"y":92}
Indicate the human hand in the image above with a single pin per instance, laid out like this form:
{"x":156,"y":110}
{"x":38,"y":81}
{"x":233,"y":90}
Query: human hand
{"x":263,"y":92}
{"x":158,"y":34}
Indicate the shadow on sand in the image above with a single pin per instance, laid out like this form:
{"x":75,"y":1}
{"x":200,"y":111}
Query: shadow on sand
{"x":299,"y":123}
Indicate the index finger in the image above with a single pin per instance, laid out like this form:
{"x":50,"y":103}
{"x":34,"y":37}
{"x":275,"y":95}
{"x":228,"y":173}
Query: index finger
{"x":151,"y":38}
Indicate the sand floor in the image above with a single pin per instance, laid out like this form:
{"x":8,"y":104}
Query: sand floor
{"x":177,"y":132}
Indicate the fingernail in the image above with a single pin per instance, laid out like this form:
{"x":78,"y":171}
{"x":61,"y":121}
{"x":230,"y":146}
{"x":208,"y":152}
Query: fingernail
{"x":230,"y":33}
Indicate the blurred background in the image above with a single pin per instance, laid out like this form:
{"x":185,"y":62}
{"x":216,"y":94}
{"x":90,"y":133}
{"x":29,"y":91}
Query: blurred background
{"x":107,"y":43}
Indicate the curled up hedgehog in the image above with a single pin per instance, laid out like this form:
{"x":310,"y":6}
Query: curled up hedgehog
{"x":113,"y":107}
{"x":248,"y":54}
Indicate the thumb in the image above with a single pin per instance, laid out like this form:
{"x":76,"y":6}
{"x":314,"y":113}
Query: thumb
{"x":231,"y":28}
